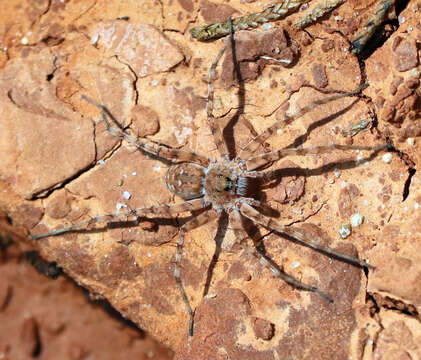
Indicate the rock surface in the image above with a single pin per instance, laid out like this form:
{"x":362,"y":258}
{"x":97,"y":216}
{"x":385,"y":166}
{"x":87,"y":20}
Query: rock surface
{"x":59,"y":165}
{"x":49,"y":319}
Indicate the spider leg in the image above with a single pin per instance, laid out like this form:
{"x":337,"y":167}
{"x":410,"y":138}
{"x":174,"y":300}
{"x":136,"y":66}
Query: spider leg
{"x":192,"y":224}
{"x":215,"y":129}
{"x":161,"y":151}
{"x":271,"y":265}
{"x":378,"y":16}
{"x":160,"y":210}
{"x":262,"y":159}
{"x":254,"y":215}
{"x":248,"y":150}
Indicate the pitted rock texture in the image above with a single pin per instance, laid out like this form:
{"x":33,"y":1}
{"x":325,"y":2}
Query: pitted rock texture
{"x":59,"y":165}
{"x":395,"y":85}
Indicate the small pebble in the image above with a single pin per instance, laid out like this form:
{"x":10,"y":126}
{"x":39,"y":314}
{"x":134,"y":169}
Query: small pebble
{"x":345,"y":230}
{"x":295,"y":264}
{"x":357,"y":220}
{"x":127,"y":195}
{"x":94,"y":39}
{"x":24,"y":41}
{"x":387,"y":158}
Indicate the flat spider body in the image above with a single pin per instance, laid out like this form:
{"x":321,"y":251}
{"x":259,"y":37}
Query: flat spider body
{"x":220,"y":186}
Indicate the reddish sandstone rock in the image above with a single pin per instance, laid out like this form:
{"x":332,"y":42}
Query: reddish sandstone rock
{"x":59,"y":165}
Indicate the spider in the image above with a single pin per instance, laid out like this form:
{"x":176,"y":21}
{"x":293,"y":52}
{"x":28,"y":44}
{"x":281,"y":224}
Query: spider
{"x":221,"y":185}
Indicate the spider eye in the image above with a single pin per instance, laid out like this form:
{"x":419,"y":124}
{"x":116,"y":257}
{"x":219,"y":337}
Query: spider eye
{"x":229,"y":184}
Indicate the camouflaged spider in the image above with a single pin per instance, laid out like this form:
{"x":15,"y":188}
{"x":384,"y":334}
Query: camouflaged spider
{"x":219,"y":186}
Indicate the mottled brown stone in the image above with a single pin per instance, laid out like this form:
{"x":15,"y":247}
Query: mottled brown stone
{"x":145,"y":121}
{"x":327,"y":45}
{"x":406,"y":56}
{"x":290,"y":188}
{"x":236,"y":271}
{"x":250,"y":46}
{"x":319,"y":75}
{"x":263,"y":329}
{"x":345,"y":201}
{"x":212,"y":12}
{"x":58,"y":206}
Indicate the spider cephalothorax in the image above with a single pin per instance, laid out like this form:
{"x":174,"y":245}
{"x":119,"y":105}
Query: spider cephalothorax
{"x":219,"y":185}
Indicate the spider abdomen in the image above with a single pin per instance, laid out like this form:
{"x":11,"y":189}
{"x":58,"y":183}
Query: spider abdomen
{"x":186,"y":180}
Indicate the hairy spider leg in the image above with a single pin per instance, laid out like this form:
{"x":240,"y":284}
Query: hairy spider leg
{"x":215,"y":129}
{"x":262,"y":159}
{"x":272,"y":224}
{"x":161,"y":151}
{"x":248,"y":150}
{"x":264,"y":260}
{"x":192,"y":224}
{"x":160,"y":210}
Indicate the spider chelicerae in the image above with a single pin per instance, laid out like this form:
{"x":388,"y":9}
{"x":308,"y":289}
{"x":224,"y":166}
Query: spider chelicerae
{"x":221,"y":185}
